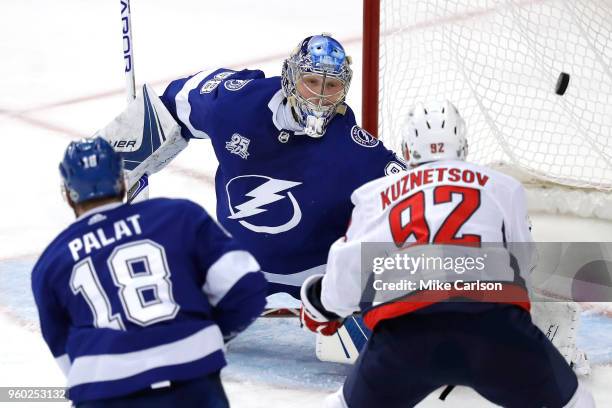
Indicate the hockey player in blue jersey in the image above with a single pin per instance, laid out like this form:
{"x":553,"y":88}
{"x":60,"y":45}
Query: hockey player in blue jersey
{"x":290,"y":154}
{"x":135,"y":301}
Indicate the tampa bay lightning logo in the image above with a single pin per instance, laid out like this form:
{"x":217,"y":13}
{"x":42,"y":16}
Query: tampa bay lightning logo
{"x":236,"y":84}
{"x":363,"y":138}
{"x":263,"y":204}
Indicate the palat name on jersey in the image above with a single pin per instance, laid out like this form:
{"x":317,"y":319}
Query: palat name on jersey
{"x":100,"y":238}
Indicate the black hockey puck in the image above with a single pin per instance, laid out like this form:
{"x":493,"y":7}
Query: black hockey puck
{"x":562,"y":83}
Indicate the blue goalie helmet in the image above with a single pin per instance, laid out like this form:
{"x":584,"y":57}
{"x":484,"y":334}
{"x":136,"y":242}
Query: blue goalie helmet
{"x":316,"y":78}
{"x":91,"y":169}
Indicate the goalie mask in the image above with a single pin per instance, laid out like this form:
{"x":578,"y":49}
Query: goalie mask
{"x":434,"y":132}
{"x":315,"y":79}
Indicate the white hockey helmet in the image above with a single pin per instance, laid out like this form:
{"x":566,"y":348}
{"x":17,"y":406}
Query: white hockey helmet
{"x":432,"y":132}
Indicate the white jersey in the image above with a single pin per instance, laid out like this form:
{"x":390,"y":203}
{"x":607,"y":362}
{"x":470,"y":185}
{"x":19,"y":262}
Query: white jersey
{"x":462,"y":207}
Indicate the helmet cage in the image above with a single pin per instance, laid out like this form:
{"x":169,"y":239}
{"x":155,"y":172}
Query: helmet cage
{"x":322,"y":56}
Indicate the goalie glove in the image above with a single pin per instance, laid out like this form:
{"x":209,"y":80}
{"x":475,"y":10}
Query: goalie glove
{"x":312,"y":314}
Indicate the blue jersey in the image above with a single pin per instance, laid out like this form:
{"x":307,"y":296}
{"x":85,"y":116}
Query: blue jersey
{"x":133,"y":295}
{"x":282,"y":194}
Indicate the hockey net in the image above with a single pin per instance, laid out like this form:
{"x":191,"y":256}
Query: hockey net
{"x":498,"y":62}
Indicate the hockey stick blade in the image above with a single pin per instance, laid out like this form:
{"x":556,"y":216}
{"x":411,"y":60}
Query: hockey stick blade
{"x":446,"y":391}
{"x":138,"y":187}
{"x":280,"y":312}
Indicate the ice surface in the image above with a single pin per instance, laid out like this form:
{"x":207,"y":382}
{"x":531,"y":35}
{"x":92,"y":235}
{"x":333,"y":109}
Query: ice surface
{"x":61,"y":78}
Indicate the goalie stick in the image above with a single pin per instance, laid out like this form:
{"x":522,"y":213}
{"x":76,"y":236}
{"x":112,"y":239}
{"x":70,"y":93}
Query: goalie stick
{"x":128,"y":52}
{"x":139,"y":190}
{"x":344,"y":346}
{"x":281,"y":312}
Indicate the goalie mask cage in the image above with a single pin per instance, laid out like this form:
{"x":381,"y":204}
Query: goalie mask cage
{"x":499,"y":62}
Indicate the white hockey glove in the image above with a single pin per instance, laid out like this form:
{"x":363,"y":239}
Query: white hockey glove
{"x":313,"y":315}
{"x":146,"y":135}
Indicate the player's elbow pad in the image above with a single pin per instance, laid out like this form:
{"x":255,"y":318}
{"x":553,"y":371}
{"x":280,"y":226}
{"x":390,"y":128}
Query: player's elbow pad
{"x":242,"y":304}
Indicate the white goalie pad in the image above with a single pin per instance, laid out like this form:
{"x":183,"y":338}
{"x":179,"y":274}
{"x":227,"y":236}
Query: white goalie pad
{"x":344,"y":346}
{"x":146,"y":135}
{"x":559,"y":321}
{"x":337,"y":348}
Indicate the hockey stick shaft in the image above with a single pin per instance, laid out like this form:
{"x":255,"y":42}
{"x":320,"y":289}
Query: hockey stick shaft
{"x":140,"y":190}
{"x":128,"y":51}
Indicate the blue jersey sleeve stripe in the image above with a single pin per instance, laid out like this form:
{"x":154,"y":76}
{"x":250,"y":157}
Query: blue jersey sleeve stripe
{"x":108,"y":367}
{"x":64,"y":364}
{"x":183,"y":107}
{"x":242,"y":304}
{"x":225,"y":272}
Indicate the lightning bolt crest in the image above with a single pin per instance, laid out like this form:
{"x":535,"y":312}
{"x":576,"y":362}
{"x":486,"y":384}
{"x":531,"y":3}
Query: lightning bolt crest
{"x":262,"y":195}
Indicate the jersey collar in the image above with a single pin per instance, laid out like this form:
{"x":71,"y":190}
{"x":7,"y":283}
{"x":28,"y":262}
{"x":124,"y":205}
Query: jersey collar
{"x":101,"y":208}
{"x":281,"y":114}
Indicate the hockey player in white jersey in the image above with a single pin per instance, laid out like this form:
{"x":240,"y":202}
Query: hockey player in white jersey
{"x":431,"y":324}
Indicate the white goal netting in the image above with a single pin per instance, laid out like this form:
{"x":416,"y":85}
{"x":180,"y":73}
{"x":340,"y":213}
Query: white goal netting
{"x":498,"y":62}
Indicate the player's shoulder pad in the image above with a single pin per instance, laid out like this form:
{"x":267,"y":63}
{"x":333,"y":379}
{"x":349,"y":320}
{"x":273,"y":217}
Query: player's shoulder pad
{"x":363,"y":138}
{"x":50,"y":256}
{"x":206,"y":84}
{"x":181,"y":206}
{"x":366,"y":142}
{"x":353,"y":135}
{"x":228,"y":79}
{"x":370,"y":191}
{"x":502,"y":179}
{"x":396,"y":165}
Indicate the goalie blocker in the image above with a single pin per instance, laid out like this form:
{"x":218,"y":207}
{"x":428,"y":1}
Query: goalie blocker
{"x":148,"y":138}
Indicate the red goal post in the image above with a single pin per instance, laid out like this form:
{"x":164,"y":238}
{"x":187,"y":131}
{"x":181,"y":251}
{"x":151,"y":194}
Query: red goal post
{"x":371,"y":35}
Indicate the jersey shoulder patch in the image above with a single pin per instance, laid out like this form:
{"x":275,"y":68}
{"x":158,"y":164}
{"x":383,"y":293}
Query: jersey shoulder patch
{"x":236,"y":84}
{"x":395,"y":167}
{"x":232,"y":80}
{"x":213,"y":82}
{"x":363,"y":138}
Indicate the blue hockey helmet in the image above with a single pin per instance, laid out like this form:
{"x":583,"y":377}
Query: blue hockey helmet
{"x":91,"y":169}
{"x":315,"y":79}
